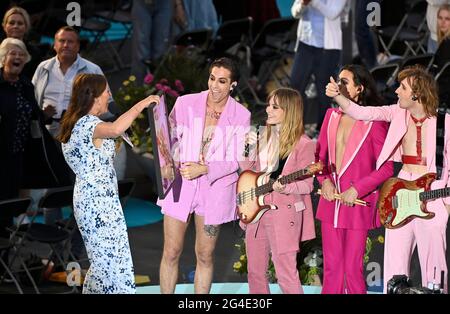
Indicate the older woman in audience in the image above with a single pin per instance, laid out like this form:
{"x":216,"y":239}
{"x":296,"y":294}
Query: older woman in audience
{"x":16,"y":24}
{"x":21,"y":121}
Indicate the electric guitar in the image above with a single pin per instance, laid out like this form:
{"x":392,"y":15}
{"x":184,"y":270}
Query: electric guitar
{"x":401,"y":201}
{"x":252,"y":186}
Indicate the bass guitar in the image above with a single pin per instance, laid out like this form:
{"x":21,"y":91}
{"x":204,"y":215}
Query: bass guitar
{"x":252,"y":186}
{"x":401,"y":201}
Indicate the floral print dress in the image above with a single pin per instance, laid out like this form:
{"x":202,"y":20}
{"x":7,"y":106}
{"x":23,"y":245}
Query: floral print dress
{"x":98,"y":211}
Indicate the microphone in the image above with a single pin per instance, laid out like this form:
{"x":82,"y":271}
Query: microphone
{"x":247,"y":144}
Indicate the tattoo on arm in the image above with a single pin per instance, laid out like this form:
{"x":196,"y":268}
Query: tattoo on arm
{"x":211,"y":230}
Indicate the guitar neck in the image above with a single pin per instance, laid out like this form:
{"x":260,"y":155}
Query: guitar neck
{"x":433,"y":194}
{"x":267,"y":188}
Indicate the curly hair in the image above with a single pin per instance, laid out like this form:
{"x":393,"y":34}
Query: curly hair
{"x":423,"y":87}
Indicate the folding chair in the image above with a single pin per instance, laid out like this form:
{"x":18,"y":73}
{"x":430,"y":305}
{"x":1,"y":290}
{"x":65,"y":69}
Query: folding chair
{"x":59,"y":198}
{"x":411,"y":31}
{"x":188,"y":41}
{"x":270,"y":50}
{"x":384,"y":76}
{"x":425,"y":60}
{"x":126,"y":187}
{"x":230,"y":36}
{"x":199,"y":38}
{"x":8,"y":210}
{"x":118,"y":14}
{"x":37,"y":232}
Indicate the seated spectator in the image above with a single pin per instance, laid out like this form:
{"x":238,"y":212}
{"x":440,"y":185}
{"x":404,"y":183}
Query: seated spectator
{"x":432,"y":9}
{"x":442,"y":55}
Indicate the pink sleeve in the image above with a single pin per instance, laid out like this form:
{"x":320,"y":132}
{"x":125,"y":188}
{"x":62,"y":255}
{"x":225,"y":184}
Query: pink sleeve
{"x":370,"y":113}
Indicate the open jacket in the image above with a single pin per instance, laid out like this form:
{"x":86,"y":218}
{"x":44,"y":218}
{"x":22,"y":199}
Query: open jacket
{"x":392,"y":148}
{"x":216,"y":189}
{"x":358,"y":169}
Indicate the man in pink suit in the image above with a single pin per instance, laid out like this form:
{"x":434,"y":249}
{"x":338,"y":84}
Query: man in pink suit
{"x":209,"y":128}
{"x":411,"y":139}
{"x":349,"y":148}
{"x":280,"y":230}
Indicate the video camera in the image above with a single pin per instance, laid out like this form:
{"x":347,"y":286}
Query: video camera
{"x":401,"y":284}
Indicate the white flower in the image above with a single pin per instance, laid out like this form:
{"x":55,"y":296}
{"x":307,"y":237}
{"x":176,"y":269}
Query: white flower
{"x":314,"y":258}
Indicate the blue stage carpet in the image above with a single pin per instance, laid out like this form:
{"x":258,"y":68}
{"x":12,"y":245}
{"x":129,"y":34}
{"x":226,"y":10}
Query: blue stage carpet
{"x":137,"y":213}
{"x":227,"y":288}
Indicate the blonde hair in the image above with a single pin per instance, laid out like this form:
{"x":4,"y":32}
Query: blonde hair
{"x":292,"y":127}
{"x":441,"y":35}
{"x":423,"y":86}
{"x":21,"y":11}
{"x":9,"y":43}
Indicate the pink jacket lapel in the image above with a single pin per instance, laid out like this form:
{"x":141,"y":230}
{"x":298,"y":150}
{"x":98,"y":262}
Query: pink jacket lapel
{"x":357,"y":137}
{"x":332,"y":131}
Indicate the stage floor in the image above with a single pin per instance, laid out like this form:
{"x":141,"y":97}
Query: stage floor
{"x":227,"y":288}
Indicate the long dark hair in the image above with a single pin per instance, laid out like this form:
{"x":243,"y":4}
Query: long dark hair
{"x":86,"y":87}
{"x":362,"y":77}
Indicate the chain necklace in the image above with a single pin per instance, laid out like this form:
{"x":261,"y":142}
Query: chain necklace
{"x":212,"y":113}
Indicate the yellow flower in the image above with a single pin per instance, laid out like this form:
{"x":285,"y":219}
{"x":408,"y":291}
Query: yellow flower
{"x":132,"y":78}
{"x":380,"y":239}
{"x":242,"y":258}
{"x":237,"y":265}
{"x":125,"y":83}
{"x":127,"y":97}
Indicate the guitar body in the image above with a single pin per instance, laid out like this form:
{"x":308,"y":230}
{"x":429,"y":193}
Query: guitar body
{"x":250,"y":207}
{"x":399,"y":201}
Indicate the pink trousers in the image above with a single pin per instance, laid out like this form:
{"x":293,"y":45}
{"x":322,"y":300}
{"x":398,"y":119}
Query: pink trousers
{"x":258,"y":252}
{"x":343,"y":253}
{"x":428,"y":235}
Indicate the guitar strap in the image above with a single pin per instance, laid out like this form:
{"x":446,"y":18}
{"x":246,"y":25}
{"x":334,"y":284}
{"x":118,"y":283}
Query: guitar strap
{"x":440,"y":143}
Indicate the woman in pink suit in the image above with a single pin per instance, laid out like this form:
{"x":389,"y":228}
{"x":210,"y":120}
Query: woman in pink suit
{"x":411,"y":139}
{"x":208,"y":130}
{"x":350,"y":149}
{"x":279,"y":232}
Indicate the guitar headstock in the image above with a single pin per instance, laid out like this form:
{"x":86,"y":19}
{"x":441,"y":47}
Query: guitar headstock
{"x":315,"y":167}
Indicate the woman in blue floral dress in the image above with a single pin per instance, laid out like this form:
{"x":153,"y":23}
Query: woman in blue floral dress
{"x":88,"y":147}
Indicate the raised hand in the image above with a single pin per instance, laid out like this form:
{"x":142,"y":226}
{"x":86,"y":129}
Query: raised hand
{"x":332,"y":89}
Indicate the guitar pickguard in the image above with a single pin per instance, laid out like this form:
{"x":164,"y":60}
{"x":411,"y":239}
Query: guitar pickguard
{"x":407,"y":203}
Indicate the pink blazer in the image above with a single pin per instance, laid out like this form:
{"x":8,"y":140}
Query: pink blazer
{"x":358,"y":169}
{"x":215,"y":191}
{"x":294,"y":218}
{"x":392,"y":149}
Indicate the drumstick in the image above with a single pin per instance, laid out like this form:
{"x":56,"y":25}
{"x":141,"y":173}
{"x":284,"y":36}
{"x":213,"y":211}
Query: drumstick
{"x":338,"y":197}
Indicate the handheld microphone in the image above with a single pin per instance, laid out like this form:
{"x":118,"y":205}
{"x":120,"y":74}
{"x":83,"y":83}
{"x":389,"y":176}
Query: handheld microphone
{"x":247,"y":144}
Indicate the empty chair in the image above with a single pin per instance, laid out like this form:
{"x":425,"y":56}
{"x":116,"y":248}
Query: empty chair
{"x":8,"y":210}
{"x":270,"y":49}
{"x":118,"y":14}
{"x":425,"y":60}
{"x":411,"y":31}
{"x":199,"y":38}
{"x":126,"y":187}
{"x":231,"y":34}
{"x":384,"y":76}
